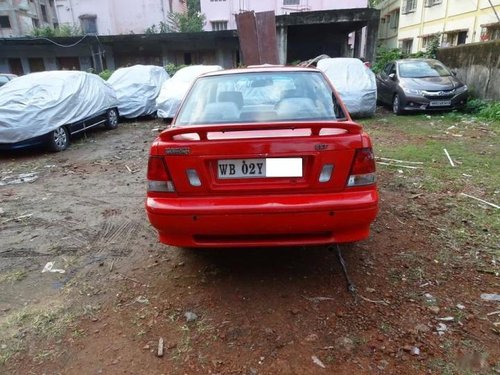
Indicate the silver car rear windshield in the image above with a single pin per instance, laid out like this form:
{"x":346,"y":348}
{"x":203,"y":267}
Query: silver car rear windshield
{"x":259,"y":97}
{"x":422,"y":69}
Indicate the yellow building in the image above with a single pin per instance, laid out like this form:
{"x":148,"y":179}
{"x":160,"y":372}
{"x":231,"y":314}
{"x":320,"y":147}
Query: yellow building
{"x":457,"y":21}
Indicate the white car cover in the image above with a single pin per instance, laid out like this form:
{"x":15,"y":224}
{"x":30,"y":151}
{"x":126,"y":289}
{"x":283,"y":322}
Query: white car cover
{"x":354,"y":82}
{"x":137,"y":88}
{"x":173,"y":91}
{"x":37,"y":103}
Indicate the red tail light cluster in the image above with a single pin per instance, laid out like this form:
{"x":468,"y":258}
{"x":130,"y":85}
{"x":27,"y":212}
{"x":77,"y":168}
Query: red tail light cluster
{"x":363,"y":168}
{"x":158,"y":176}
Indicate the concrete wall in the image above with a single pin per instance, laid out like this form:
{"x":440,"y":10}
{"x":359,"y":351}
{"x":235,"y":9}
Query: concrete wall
{"x":477,"y":64}
{"x":116,"y":17}
{"x":226,"y":10}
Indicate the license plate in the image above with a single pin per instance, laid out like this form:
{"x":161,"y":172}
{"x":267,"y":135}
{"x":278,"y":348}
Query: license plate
{"x":259,"y":168}
{"x":440,"y":103}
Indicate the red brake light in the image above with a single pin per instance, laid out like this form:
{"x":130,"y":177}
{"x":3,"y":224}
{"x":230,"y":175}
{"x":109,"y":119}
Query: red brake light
{"x":158,"y":176}
{"x":363,"y":168}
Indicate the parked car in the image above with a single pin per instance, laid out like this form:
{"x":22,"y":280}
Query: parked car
{"x":5,"y":77}
{"x":354,"y":82}
{"x":137,"y":88}
{"x":420,"y":85}
{"x":48,"y":107}
{"x":175,"y":88}
{"x":263,"y":156}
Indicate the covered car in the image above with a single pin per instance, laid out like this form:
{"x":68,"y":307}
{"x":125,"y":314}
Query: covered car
{"x":48,"y":107}
{"x":263,"y":156}
{"x":355,"y":83}
{"x":173,"y":91}
{"x":137,"y":88}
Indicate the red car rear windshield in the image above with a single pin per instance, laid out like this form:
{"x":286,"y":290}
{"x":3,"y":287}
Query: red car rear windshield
{"x":259,"y":97}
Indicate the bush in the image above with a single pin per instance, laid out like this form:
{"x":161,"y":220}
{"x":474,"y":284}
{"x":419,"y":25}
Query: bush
{"x":105,"y":74}
{"x":490,"y":112}
{"x":483,"y":109}
{"x":385,"y":55}
{"x":172,"y":68}
{"x":474,"y":106}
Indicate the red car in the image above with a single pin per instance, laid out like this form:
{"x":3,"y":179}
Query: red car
{"x":262,"y":157}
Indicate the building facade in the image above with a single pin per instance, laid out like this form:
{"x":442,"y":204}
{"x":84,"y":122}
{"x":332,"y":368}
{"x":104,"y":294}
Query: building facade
{"x":220,"y":14}
{"x":115,"y":17}
{"x":456,"y":22}
{"x":20,"y":17}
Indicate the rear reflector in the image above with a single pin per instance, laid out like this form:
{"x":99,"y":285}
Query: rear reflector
{"x":363,"y":168}
{"x":326,"y":173}
{"x":193,"y":177}
{"x":158,"y":177}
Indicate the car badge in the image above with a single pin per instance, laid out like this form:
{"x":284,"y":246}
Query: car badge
{"x":178,"y":151}
{"x":320,"y":147}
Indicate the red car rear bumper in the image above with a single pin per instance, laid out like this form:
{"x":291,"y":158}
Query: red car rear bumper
{"x":263,"y":220}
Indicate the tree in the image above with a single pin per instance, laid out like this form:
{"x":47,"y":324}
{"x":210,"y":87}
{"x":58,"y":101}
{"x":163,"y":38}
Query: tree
{"x":191,"y":21}
{"x":374,"y":3}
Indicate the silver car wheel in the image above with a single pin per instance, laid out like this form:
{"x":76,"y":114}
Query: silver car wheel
{"x":60,"y":138}
{"x":112,"y":119}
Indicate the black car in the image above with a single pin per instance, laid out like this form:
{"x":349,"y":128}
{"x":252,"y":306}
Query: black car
{"x":420,"y":85}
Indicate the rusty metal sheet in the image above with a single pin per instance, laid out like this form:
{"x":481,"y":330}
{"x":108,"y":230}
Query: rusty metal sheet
{"x":257,"y":35}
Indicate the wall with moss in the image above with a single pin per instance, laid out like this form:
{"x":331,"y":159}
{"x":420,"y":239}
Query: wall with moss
{"x":478,"y":65}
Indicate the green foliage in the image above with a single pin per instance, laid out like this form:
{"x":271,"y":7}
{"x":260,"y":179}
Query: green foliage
{"x":105,"y":74}
{"x":433,"y":46}
{"x":474,"y":106}
{"x":191,"y":21}
{"x":385,"y":55}
{"x":172,"y":68}
{"x":485,"y":110}
{"x":374,"y":3}
{"x":490,"y":112}
{"x":61,"y":31}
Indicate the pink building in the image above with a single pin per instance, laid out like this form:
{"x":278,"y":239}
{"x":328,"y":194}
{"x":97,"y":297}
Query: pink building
{"x":220,"y":14}
{"x":114,"y":17}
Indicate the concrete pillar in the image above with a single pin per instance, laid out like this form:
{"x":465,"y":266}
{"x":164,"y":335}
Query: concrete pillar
{"x":282,"y":37}
{"x":371,"y":39}
{"x":26,"y":65}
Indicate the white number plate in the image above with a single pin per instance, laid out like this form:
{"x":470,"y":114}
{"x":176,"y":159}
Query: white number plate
{"x":254,"y":168}
{"x":440,"y":103}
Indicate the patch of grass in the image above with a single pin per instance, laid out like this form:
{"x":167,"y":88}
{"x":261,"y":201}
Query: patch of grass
{"x":13,"y":276}
{"x":468,"y":227}
{"x":39,"y":323}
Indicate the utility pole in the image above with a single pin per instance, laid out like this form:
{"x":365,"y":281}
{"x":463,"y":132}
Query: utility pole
{"x":494,"y":10}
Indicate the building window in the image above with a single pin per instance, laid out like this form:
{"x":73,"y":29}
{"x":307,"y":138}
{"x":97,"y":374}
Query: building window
{"x":219,"y":25}
{"x":409,"y":6}
{"x":36,"y":22}
{"x":4,"y":22}
{"x":89,"y":24}
{"x":490,"y":31}
{"x":44,"y":13}
{"x":406,"y":46}
{"x":431,"y":3}
{"x":291,"y":2}
{"x":395,"y":20}
{"x":454,"y":38}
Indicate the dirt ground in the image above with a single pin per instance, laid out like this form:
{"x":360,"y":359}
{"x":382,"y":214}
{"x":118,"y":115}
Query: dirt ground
{"x":265,"y":311}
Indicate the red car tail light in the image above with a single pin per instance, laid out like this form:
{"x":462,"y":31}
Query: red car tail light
{"x":158,"y":176}
{"x":363,"y":168}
